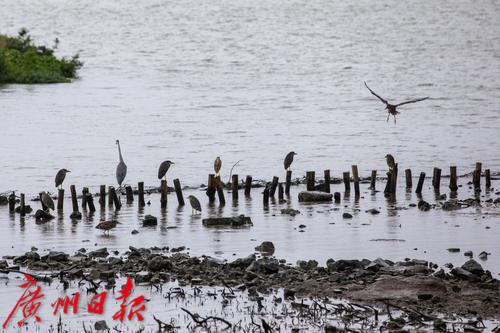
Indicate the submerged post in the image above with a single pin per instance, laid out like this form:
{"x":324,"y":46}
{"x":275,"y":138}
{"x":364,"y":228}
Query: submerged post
{"x":388,"y":185}
{"x":453,"y":179}
{"x":274,"y":185}
{"x":488,"y":178}
{"x":12,"y":202}
{"x":327,"y":181}
{"x":288,"y":181}
{"x":140,"y":187}
{"x":84,"y":198}
{"x":437,"y":179}
{"x":74,"y":199}
{"x":60,"y":199}
{"x":355,"y":178}
{"x":265,"y":196}
{"x":22,"y":203}
{"x":347,"y":182}
{"x":235,"y":186}
{"x":310,"y":180}
{"x":373,"y":180}
{"x":220,"y":192}
{"x":90,"y":202}
{"x":394,"y":179}
{"x":211,"y":188}
{"x":114,"y":196}
{"x":164,"y":191}
{"x":420,"y":182}
{"x":248,"y":185}
{"x":178,"y":192}
{"x":409,"y":180}
{"x":110,"y":197}
{"x":102,"y":196}
{"x":130,"y":194}
{"x":476,"y":179}
{"x":280,"y":192}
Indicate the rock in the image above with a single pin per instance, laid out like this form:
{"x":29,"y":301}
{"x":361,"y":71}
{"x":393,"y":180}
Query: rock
{"x":440,"y":274}
{"x":43,"y":216}
{"x":307,"y":265}
{"x":474,"y":267}
{"x":101,"y":325}
{"x":464,"y":274}
{"x":243,"y":263}
{"x":76,"y":216}
{"x":424,"y":205}
{"x":441,"y":197}
{"x":134,"y":232}
{"x":453,"y":249}
{"x":266,"y":248}
{"x":329,"y":328}
{"x":343,"y":265}
{"x":3,"y":264}
{"x":337,"y":197}
{"x":159,"y":263}
{"x":143,"y":277}
{"x":100,"y":253}
{"x":178,"y":249}
{"x":289,"y":293}
{"x":314,"y":196}
{"x":107,"y":275}
{"x":3,"y":200}
{"x":451,"y":205}
{"x":264,"y":266}
{"x":424,"y":296}
{"x":27,"y":209}
{"x":233,"y":222}
{"x":347,"y":216}
{"x":483,"y":255}
{"x":373,"y":211}
{"x":468,"y":254}
{"x":32,"y":256}
{"x":376,"y":264}
{"x":290,"y":211}
{"x":114,"y":261}
{"x":149,"y":221}
{"x":57,"y":256}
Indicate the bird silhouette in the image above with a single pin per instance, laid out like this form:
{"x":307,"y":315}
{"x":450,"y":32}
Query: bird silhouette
{"x":217,"y":166}
{"x":390,"y":161}
{"x":391,"y":108}
{"x":121,"y":168}
{"x":106,"y":226}
{"x":288,"y":160}
{"x":47,"y":200}
{"x":195,"y":204}
{"x":162,"y":170}
{"x":61,"y":174}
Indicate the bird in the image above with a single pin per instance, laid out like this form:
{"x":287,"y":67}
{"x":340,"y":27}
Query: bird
{"x":162,"y":170}
{"x":61,"y":174}
{"x":288,"y":160}
{"x":390,"y":161}
{"x":217,"y":166}
{"x":391,"y":108}
{"x":121,"y":168}
{"x":47,"y":200}
{"x":107,"y":225}
{"x":195,"y":204}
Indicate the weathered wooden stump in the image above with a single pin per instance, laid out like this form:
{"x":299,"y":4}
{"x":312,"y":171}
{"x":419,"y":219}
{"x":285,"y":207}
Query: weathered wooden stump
{"x":288,"y":181}
{"x":347,"y":182}
{"x":178,"y":192}
{"x":355,"y":177}
{"x":453,"y":179}
{"x":60,"y":199}
{"x":274,"y":186}
{"x":327,"y":181}
{"x":420,"y":182}
{"x":248,"y":185}
{"x":235,"y":185}
{"x":140,"y":187}
{"x":130,"y":194}
{"x":310,"y":180}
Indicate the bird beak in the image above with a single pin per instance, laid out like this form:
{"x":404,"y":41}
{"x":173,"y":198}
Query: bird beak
{"x":68,"y":171}
{"x":172,"y":163}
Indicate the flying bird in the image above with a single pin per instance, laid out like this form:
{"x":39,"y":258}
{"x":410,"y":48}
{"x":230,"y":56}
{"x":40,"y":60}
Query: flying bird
{"x":121,"y":168}
{"x":391,"y":108}
{"x":107,"y":225}
{"x":217,"y":166}
{"x":162,"y":170}
{"x":47,"y":200}
{"x":390,"y":161}
{"x":195,"y":204}
{"x":61,"y":174}
{"x":288,"y":160}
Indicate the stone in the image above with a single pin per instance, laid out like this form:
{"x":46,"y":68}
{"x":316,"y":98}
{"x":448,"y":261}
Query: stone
{"x":101,"y":325}
{"x":347,"y":216}
{"x":424,"y":205}
{"x":134,"y":232}
{"x":343,"y":265}
{"x":233,"y":222}
{"x":143,"y":277}
{"x":314,"y":196}
{"x":32,"y":256}
{"x":290,"y":211}
{"x":451,"y":205}
{"x":178,"y":249}
{"x":76,"y":216}
{"x":57,"y":256}
{"x":114,"y":261}
{"x":453,"y":249}
{"x":43,"y":216}
{"x":3,"y":264}
{"x":464,"y":274}
{"x":373,"y":211}
{"x":266,"y":247}
{"x":159,"y":263}
{"x":483,"y":255}
{"x":474,"y":267}
{"x":99,"y":253}
{"x":337,"y":197}
{"x":424,"y":296}
{"x":243,"y":263}
{"x":27,"y":209}
{"x":468,"y":254}
{"x":149,"y":221}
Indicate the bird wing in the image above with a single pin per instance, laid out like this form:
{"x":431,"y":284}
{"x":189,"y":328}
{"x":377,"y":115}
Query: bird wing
{"x":374,"y":94}
{"x":413,"y":101}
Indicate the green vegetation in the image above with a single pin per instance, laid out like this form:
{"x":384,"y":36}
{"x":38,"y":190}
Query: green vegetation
{"x":21,"y":61}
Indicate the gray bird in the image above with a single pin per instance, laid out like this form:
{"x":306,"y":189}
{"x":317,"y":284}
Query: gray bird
{"x":288,"y":160}
{"x":121,"y":168}
{"x":107,"y":225}
{"x":217,"y":166}
{"x":47,"y":200}
{"x":162,"y":170}
{"x":391,"y":108}
{"x":390,"y":161}
{"x":195,"y":204}
{"x":61,"y":174}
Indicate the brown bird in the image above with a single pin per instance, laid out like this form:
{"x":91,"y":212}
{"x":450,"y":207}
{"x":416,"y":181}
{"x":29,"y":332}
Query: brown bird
{"x":107,"y":225}
{"x":217,"y":166}
{"x":162,"y":170}
{"x":288,"y":160}
{"x":47,"y":200}
{"x":195,"y":204}
{"x":390,"y":161}
{"x":391,"y":108}
{"x":61,"y":174}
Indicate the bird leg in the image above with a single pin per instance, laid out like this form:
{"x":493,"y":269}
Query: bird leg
{"x":388,"y":115}
{"x":394,"y":119}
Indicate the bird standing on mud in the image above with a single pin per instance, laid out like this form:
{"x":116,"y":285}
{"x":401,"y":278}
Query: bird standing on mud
{"x":121,"y":168}
{"x":47,"y":200}
{"x":391,"y":108}
{"x":61,"y":174}
{"x":217,"y":166}
{"x":288,"y":160}
{"x":162,"y":170}
{"x":107,"y":225}
{"x":390,"y":161}
{"x":195,"y":204}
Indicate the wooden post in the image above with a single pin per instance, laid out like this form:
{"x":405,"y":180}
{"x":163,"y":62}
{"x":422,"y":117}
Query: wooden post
{"x":114,"y":197}
{"x":140,"y":186}
{"x":453,"y":179}
{"x":388,"y":185}
{"x":44,"y":208}
{"x":211,"y":188}
{"x":266,"y":196}
{"x":310,"y":180}
{"x":373,"y":180}
{"x":420,"y":182}
{"x":248,"y":185}
{"x":60,"y":199}
{"x":488,"y":178}
{"x":274,"y":185}
{"x":164,"y":191}
{"x":110,"y":197}
{"x":337,"y":197}
{"x":235,"y":184}
{"x":178,"y":192}
{"x":220,"y":192}
{"x":288,"y":181}
{"x":90,"y":202}
{"x":102,"y":196}
{"x":394,"y":179}
{"x":355,"y":177}
{"x":280,"y":192}
{"x":477,"y":177}
{"x":327,"y":181}
{"x":130,"y":194}
{"x":85,"y":190}
{"x":347,"y":182}
{"x":12,"y":202}
{"x":409,"y":180}
{"x":23,"y":208}
{"x":437,"y":180}
{"x":74,"y":199}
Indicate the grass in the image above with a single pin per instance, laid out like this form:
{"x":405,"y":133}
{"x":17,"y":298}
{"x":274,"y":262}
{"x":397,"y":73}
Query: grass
{"x":21,"y":61}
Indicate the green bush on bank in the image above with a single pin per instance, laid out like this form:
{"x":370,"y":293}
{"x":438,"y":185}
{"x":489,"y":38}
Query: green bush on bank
{"x":21,"y":61}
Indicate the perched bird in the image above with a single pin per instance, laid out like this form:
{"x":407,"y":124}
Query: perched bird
{"x":391,"y":108}
{"x":195,"y":204}
{"x":107,"y":225}
{"x":47,"y":200}
{"x":390,"y":161}
{"x":121,"y":168}
{"x":61,"y":174}
{"x":288,"y":160}
{"x":162,"y":170}
{"x":217,"y":166}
